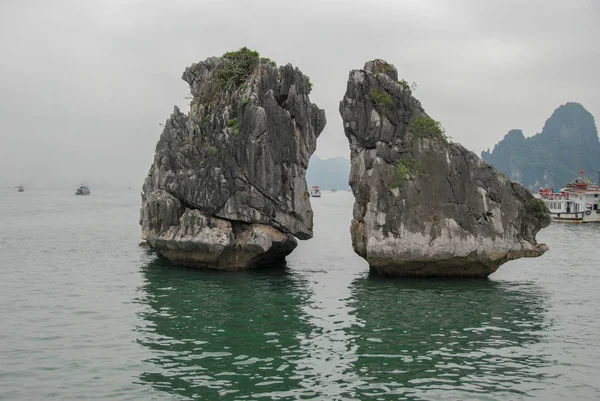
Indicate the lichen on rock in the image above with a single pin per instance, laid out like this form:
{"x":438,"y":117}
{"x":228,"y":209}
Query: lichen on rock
{"x":425,"y":206}
{"x":226,"y":187}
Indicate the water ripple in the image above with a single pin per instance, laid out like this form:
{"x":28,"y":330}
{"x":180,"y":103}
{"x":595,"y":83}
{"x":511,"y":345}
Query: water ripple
{"x":86,"y":314}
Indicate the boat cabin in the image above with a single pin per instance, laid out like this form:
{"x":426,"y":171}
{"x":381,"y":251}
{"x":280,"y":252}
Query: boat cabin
{"x":579,"y":201}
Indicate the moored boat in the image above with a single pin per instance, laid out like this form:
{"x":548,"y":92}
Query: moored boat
{"x":83,"y":190}
{"x":315,"y":191}
{"x":578,"y":202}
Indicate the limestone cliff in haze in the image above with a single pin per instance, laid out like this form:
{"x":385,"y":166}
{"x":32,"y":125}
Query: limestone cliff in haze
{"x":568,"y":143}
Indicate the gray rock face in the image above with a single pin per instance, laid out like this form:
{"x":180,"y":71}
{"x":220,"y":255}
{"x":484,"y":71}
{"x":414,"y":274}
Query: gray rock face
{"x":425,"y":206}
{"x":227,"y":188}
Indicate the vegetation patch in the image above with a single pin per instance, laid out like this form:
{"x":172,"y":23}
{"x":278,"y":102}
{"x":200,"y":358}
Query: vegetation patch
{"x":404,"y":84}
{"x":381,"y":99}
{"x":269,"y":61}
{"x":405,"y":166}
{"x":213,"y":149}
{"x":245,"y":101}
{"x":307,"y":81}
{"x":427,"y":127}
{"x":233,"y":124}
{"x":236,"y":67}
{"x":382,"y":68}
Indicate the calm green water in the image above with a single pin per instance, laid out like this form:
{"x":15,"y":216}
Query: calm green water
{"x":87,"y":314}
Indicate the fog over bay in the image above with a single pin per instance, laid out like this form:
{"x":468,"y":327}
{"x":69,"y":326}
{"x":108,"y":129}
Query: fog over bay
{"x":86,"y":84}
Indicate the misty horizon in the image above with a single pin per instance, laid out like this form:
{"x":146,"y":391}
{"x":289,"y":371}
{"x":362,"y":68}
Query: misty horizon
{"x":86,"y":86}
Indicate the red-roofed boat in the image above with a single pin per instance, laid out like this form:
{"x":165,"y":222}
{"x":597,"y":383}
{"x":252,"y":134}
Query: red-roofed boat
{"x":577,"y":202}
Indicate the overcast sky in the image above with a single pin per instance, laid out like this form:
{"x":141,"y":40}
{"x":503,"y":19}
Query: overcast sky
{"x":85,"y":84}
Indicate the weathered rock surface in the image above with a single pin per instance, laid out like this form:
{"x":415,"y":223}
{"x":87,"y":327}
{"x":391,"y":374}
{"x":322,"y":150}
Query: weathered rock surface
{"x":425,"y":206}
{"x":227,"y":188}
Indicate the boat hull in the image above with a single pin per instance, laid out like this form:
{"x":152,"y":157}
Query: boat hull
{"x":588,"y":216}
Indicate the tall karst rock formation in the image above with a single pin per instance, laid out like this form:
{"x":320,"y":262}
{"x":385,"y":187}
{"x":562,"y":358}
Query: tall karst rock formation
{"x":227,"y":188}
{"x":425,"y":206}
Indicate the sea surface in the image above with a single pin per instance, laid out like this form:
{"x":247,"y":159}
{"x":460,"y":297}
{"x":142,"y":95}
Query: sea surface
{"x":87,"y":314}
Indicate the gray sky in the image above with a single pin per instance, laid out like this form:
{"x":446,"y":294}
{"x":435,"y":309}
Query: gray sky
{"x":85,"y":84}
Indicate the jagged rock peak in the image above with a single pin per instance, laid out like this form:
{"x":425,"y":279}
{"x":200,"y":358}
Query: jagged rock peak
{"x":425,"y":206}
{"x":379,"y":66}
{"x":227,"y":188}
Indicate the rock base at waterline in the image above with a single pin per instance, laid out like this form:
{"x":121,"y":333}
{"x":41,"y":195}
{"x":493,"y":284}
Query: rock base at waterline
{"x":211,"y":243}
{"x":456,"y":267}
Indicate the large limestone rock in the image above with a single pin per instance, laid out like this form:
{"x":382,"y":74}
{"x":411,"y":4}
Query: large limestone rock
{"x":227,"y":188}
{"x":425,"y":206}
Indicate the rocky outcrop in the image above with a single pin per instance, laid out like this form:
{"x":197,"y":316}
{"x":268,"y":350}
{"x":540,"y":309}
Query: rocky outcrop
{"x":425,"y":206}
{"x":227,"y":188}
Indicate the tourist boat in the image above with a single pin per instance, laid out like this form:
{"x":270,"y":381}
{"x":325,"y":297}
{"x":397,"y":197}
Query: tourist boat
{"x":83,"y":189}
{"x":315,"y":192}
{"x":21,"y":188}
{"x":578,"y":202}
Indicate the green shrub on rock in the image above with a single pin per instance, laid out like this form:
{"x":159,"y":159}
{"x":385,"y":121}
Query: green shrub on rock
{"x":406,"y":165}
{"x":269,"y":61}
{"x":233,"y":124}
{"x":307,"y":81}
{"x":381,"y":99}
{"x":427,"y":127}
{"x":236,"y":67}
{"x":404,"y":84}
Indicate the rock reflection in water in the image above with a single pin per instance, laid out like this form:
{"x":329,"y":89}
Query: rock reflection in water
{"x":280,"y":335}
{"x":222,"y":335}
{"x":425,"y":339}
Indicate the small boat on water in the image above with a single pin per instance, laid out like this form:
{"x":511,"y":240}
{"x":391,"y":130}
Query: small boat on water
{"x":578,"y":202}
{"x":83,"y":190}
{"x":315,"y":191}
{"x":333,"y":190}
{"x":21,"y":188}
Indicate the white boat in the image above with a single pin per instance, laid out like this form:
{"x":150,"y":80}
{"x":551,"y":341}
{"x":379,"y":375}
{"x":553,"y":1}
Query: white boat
{"x":83,"y":189}
{"x":578,"y":202}
{"x":315,"y":192}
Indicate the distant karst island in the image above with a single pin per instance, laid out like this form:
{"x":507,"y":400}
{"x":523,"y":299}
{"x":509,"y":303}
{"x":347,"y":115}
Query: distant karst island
{"x":228,"y":186}
{"x":552,"y":158}
{"x":329,"y":173}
